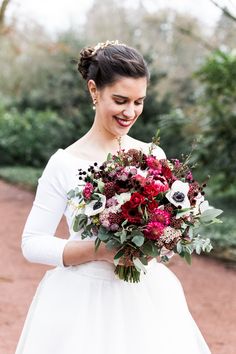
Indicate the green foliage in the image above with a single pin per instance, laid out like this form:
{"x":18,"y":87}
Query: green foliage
{"x":218,"y":115}
{"x":175,"y":137}
{"x":26,"y":177}
{"x":31,"y":137}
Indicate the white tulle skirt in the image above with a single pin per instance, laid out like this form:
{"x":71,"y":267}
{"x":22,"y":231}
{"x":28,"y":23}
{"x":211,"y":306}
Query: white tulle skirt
{"x":85,"y":309}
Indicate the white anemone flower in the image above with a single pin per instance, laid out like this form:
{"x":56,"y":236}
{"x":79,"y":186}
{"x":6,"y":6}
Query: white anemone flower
{"x":96,"y":206}
{"x":178,"y":194}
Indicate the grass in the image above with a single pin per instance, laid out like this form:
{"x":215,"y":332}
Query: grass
{"x":26,"y":177}
{"x":223,"y":236}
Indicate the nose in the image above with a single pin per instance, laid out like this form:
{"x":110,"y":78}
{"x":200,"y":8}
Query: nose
{"x":129,"y":111}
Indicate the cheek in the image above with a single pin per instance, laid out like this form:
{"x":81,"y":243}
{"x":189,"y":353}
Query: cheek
{"x":139,"y":111}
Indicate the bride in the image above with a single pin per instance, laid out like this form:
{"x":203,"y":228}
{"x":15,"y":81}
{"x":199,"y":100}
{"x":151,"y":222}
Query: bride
{"x":80,"y":306}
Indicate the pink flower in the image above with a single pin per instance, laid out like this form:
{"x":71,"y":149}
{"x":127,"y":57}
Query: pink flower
{"x":162,"y":184}
{"x":154,"y":230}
{"x":88,"y":190}
{"x":161,"y":216}
{"x":154,"y":164}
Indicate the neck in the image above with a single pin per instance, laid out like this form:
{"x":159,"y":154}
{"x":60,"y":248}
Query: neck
{"x":103,"y":141}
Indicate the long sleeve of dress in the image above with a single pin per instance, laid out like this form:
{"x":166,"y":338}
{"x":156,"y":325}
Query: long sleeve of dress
{"x":39,"y":245}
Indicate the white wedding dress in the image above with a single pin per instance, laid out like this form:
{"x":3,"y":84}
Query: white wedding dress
{"x":86,"y":309}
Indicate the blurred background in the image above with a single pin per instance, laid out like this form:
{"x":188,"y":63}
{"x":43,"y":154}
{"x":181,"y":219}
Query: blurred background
{"x":191,"y":51}
{"x":190,"y":47}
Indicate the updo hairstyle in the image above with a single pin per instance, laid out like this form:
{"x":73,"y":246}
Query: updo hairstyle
{"x":106,"y":62}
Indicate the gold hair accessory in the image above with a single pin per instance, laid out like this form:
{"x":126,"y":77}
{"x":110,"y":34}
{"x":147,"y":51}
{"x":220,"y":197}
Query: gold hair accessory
{"x":103,"y":45}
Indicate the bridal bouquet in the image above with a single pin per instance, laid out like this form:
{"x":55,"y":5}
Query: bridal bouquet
{"x":142,"y":207}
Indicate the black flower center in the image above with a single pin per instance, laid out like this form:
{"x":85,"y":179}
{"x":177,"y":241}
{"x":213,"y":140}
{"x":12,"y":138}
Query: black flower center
{"x":178,"y":197}
{"x":97,"y":205}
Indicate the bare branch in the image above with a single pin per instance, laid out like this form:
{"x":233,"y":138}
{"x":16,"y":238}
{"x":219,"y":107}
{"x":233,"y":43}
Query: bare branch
{"x":225,"y":10}
{"x":3,"y":8}
{"x":189,"y":33}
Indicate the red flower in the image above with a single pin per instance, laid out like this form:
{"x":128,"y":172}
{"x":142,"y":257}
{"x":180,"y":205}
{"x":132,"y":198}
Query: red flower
{"x":161,"y":216}
{"x":166,"y":171}
{"x":88,"y":190}
{"x":154,"y":230}
{"x":154,"y":164}
{"x":152,"y":205}
{"x":136,"y":199}
{"x":142,"y":180}
{"x":131,"y":214}
{"x":151,"y":190}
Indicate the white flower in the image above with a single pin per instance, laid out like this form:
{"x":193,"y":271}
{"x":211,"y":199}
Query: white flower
{"x":142,"y":173}
{"x":123,"y":198}
{"x":166,"y":252}
{"x":199,"y":199}
{"x":96,"y":206}
{"x":178,"y":194}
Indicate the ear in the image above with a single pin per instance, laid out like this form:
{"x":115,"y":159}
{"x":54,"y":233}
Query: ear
{"x":92,"y":89}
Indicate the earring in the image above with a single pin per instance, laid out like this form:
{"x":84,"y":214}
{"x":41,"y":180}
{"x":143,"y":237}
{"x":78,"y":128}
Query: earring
{"x":94,"y":103}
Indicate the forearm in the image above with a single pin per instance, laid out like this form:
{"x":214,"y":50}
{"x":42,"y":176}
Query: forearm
{"x":78,"y":252}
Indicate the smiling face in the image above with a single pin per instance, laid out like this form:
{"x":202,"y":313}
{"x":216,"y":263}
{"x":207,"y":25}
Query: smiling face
{"x":119,"y":105}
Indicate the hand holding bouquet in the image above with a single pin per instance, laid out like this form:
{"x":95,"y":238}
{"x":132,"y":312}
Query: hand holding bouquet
{"x":142,"y":207}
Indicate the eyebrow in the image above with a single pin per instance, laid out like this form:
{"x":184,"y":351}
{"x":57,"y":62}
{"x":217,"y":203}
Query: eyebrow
{"x":124,"y":97}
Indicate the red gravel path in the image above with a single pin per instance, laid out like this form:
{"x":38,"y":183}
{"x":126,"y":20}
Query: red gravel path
{"x":209,"y":286}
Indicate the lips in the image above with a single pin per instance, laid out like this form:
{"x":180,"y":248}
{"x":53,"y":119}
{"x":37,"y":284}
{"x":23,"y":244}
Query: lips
{"x":124,"y":122}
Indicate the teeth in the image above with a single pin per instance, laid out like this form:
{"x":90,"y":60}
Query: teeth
{"x":124,"y":121}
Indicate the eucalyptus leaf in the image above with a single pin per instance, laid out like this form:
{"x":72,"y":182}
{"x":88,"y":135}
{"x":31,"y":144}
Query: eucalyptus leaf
{"x":100,"y":186}
{"x":120,"y":253}
{"x":139,"y":265}
{"x":144,"y":260}
{"x":179,"y":247}
{"x":124,"y":223}
{"x":97,"y":244}
{"x":109,"y":156}
{"x":198,"y":249}
{"x":79,"y":222}
{"x":71,"y":194}
{"x":103,"y":234}
{"x":155,"y":251}
{"x":138,"y":240}
{"x":180,"y":211}
{"x":136,"y":233}
{"x":111,"y":244}
{"x":188,"y":258}
{"x":147,"y":248}
{"x":210,"y":214}
{"x":123,"y":236}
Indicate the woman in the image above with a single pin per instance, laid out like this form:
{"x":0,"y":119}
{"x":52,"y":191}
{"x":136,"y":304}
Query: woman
{"x":80,"y":307}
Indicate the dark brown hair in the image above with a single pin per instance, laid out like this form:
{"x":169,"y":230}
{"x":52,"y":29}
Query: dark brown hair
{"x":106,"y":62}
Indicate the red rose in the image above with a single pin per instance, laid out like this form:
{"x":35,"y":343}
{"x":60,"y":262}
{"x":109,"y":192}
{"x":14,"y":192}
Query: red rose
{"x":136,"y":199}
{"x":151,"y":190}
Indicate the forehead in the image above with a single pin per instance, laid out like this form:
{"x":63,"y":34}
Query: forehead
{"x":128,"y":87}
